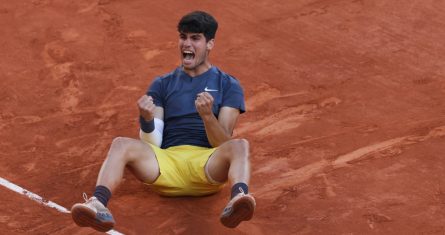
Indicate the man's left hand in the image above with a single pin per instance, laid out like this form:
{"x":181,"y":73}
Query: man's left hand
{"x":204,"y":104}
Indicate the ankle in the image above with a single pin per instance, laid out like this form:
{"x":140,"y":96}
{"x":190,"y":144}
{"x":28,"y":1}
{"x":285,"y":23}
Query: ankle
{"x":103,"y":194}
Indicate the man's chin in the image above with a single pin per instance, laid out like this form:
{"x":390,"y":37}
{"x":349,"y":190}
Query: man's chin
{"x":187,"y":67}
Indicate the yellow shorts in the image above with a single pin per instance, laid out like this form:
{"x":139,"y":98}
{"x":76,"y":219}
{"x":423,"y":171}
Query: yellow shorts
{"x":182,"y":171}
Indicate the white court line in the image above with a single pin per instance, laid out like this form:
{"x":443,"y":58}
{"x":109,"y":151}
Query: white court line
{"x":41,"y":200}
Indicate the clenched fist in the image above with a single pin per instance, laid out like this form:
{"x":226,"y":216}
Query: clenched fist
{"x":204,"y":104}
{"x":146,"y":107}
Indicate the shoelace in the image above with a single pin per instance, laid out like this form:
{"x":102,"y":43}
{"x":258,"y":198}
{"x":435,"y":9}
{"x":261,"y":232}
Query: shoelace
{"x":241,"y":190}
{"x":85,"y":197}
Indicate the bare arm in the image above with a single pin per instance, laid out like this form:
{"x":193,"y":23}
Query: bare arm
{"x":218,"y":130}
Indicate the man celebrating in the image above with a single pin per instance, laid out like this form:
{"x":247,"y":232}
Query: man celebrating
{"x":187,"y":119}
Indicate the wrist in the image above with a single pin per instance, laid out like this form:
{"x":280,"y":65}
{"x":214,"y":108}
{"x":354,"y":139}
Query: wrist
{"x":207,"y":117}
{"x":147,"y":126}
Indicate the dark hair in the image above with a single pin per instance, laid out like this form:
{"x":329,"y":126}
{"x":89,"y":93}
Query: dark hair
{"x":198,"y":22}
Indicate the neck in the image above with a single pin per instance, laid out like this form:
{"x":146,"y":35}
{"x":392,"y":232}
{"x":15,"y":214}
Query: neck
{"x":198,"y":70}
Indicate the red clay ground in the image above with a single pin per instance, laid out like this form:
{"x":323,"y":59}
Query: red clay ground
{"x":346,"y":111}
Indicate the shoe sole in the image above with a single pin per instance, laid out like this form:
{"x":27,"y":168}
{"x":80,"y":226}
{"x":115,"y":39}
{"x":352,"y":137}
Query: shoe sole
{"x":242,"y":210}
{"x":85,"y":217}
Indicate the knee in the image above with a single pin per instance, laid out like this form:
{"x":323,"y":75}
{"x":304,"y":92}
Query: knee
{"x":121,"y":145}
{"x":241,"y":143}
{"x":120,"y":142}
{"x":128,"y":149}
{"x":239,"y":147}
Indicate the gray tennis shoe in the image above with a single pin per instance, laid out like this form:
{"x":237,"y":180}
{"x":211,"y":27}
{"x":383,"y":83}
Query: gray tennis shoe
{"x":92,"y":213}
{"x":239,"y":209}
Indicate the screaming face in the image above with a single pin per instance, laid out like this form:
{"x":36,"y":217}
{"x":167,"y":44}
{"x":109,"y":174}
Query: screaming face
{"x":194,"y":51}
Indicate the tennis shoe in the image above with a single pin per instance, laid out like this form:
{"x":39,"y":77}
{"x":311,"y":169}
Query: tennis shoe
{"x":92,"y":213}
{"x":240,"y":208}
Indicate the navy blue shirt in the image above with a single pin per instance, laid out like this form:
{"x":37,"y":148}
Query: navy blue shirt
{"x":176,"y":92}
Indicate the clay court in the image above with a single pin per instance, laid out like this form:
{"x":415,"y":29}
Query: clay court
{"x":345,"y":99}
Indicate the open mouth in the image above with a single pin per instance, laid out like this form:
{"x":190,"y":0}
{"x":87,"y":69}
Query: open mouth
{"x":188,"y":55}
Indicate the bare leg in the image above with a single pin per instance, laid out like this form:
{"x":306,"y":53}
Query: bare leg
{"x":123,"y":152}
{"x":230,"y":161}
{"x":128,"y":152}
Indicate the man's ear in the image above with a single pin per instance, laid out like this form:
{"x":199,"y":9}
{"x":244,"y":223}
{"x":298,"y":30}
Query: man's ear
{"x":210,"y":44}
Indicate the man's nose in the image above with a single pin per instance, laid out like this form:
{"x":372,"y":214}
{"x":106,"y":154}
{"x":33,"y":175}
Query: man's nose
{"x":187,"y":42}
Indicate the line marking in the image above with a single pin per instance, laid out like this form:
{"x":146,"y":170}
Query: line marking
{"x":40,"y":200}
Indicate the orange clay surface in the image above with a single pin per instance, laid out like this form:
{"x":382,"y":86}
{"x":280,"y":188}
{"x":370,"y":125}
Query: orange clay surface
{"x":346,"y":112}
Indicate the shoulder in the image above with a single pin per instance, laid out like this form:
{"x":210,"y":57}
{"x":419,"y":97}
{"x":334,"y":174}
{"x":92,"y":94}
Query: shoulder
{"x":227,"y":79}
{"x":168,"y":76}
{"x":164,"y":80}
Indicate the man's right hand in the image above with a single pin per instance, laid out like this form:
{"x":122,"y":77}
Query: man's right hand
{"x":146,"y":107}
